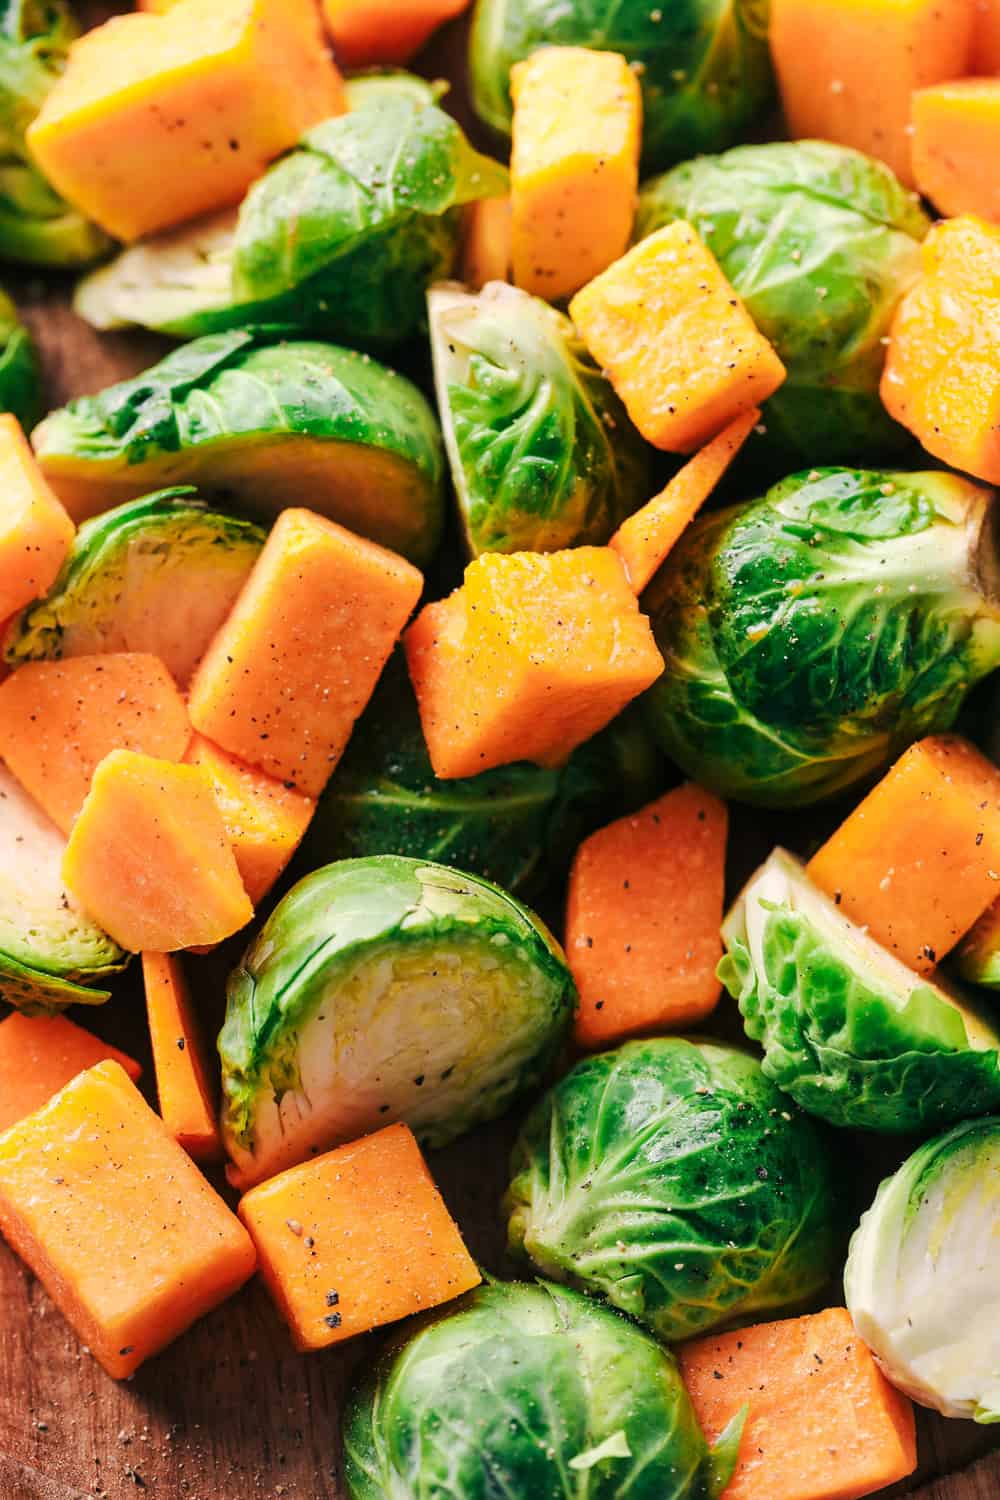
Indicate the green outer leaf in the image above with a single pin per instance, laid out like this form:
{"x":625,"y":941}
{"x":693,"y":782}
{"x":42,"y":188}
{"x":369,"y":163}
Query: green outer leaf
{"x":498,"y":1393}
{"x":20,"y":372}
{"x":673,"y":1178}
{"x":381,"y":908}
{"x":543,"y":454}
{"x":35,"y":993}
{"x":230,"y":398}
{"x":724,"y":1454}
{"x":811,"y":635}
{"x":850,"y":1033}
{"x":706,"y":69}
{"x":820,"y":242}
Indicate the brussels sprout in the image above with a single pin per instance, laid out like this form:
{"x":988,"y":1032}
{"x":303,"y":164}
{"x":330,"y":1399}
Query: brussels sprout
{"x":811,"y":635}
{"x":923,"y":1274}
{"x":369,"y":90}
{"x":704,"y":65}
{"x":978,"y":956}
{"x":20,"y":374}
{"x":266,"y":422}
{"x":383,"y":989}
{"x":672,"y":1177}
{"x":36,"y":225}
{"x":820,"y":242}
{"x":341,"y":237}
{"x":847,"y":1030}
{"x":518,"y":826}
{"x":542,"y":453}
{"x":531,"y":1392}
{"x":50,"y":951}
{"x":158,"y":574}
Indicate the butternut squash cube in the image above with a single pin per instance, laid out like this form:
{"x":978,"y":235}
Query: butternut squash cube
{"x":35,"y":530}
{"x":187,"y":1103}
{"x":117,"y":1223}
{"x":532,"y":656}
{"x":942,"y":369}
{"x":847,"y":68}
{"x":285,"y":678}
{"x":59,"y":719}
{"x":918,"y":861}
{"x":265,"y":819}
{"x":356,"y":1239}
{"x":159,"y":118}
{"x":39,"y":1055}
{"x":367,"y":32}
{"x":675,"y":341}
{"x":984,"y":57}
{"x":486,"y":244}
{"x":956,"y":146}
{"x":574,"y":168}
{"x":149,"y":859}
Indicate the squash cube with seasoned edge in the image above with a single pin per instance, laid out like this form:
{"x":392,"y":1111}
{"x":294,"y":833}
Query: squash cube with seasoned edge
{"x":675,"y":341}
{"x":956,"y":146}
{"x":291,"y":669}
{"x":574,"y":168}
{"x":149,"y":859}
{"x":160,"y":118}
{"x":356,"y":1239}
{"x":39,"y":1055}
{"x":35,"y":530}
{"x":187,"y":1106}
{"x":117,"y":1223}
{"x":532,"y":656}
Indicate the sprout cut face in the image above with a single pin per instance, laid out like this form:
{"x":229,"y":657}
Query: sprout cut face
{"x":384,"y":989}
{"x":673,"y":1178}
{"x":923,"y":1274}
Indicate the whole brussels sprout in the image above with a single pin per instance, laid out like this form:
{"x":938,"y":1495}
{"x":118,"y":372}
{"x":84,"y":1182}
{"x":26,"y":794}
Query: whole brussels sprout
{"x":37,"y":226}
{"x":531,"y":1392}
{"x":813,"y":634}
{"x":20,"y":373}
{"x":704,"y":65}
{"x":852,"y":1034}
{"x":923,"y":1274}
{"x":341,"y":237}
{"x":384,"y":989}
{"x":672,"y":1177}
{"x":820,"y":242}
{"x":543,"y":454}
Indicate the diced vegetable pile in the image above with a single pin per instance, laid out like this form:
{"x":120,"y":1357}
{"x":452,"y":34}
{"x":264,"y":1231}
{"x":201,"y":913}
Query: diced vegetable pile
{"x":679,"y":505}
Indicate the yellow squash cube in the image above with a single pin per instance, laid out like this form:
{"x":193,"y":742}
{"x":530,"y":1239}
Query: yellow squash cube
{"x":675,"y":341}
{"x":159,"y":118}
{"x":574,"y":166}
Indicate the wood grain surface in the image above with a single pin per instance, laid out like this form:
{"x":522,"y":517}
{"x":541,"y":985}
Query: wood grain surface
{"x":231,"y":1412}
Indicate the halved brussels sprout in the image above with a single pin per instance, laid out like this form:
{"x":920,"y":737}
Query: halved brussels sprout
{"x":531,"y":1392}
{"x":820,"y":242}
{"x":977,"y":957}
{"x":266,"y":424}
{"x":341,"y":237}
{"x":923,"y":1274}
{"x":542,"y":453}
{"x":36,"y":225}
{"x":51,"y":953}
{"x":383,"y":989}
{"x":673,"y":1178}
{"x":704,"y":65}
{"x":20,"y":374}
{"x":158,"y":575}
{"x":813,"y":634}
{"x":847,"y":1030}
{"x":518,"y":825}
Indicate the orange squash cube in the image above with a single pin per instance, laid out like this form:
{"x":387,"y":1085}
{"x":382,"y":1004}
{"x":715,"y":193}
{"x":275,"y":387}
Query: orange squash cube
{"x":356,"y":1239}
{"x":117,"y":1223}
{"x":160,"y":118}
{"x":956,"y":146}
{"x":265,"y":819}
{"x":40,"y":1055}
{"x":675,"y":341}
{"x":985,"y":52}
{"x":59,"y":719}
{"x":486,"y":242}
{"x":367,"y":32}
{"x":35,"y":531}
{"x":823,"y":1421}
{"x":532,"y":656}
{"x":918,"y":861}
{"x":149,"y":859}
{"x":287,"y":675}
{"x":187,"y":1105}
{"x":942,"y":369}
{"x":574,"y":171}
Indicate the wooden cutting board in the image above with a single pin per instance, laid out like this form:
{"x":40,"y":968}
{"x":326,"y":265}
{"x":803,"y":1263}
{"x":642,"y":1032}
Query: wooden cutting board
{"x":231,"y":1412}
